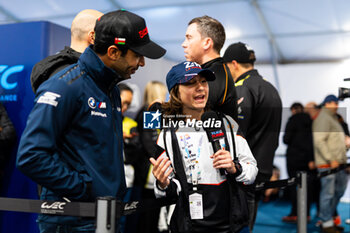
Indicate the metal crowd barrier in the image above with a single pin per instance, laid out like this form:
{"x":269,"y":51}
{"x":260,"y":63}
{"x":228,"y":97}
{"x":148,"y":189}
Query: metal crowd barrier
{"x":107,"y":210}
{"x":301,"y":181}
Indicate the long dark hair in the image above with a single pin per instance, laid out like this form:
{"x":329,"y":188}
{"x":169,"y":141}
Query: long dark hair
{"x":174,"y":106}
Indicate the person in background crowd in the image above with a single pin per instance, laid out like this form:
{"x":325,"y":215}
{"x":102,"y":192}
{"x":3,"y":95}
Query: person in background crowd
{"x":82,"y":35}
{"x":336,"y":216}
{"x":273,"y":192}
{"x":300,"y":153}
{"x":312,"y":109}
{"x":7,"y":140}
{"x":204,"y":39}
{"x":148,"y":221}
{"x":73,"y":142}
{"x":330,"y":152}
{"x":259,"y":115}
{"x":345,"y":127}
{"x":208,"y":200}
{"x":132,"y":151}
{"x":129,"y":134}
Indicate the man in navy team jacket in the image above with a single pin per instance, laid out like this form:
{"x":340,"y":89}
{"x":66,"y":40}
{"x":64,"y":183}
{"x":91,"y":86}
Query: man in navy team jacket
{"x":73,"y":141}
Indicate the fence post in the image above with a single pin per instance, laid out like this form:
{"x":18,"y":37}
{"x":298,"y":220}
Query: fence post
{"x":302,"y":202}
{"x":105,"y":215}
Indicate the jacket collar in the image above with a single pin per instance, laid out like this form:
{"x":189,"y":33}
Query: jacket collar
{"x":209,"y":63}
{"x":71,"y":52}
{"x":246,"y":74}
{"x":104,"y":76}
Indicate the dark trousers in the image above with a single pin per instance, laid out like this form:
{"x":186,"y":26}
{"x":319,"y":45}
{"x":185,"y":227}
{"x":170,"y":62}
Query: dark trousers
{"x":148,"y":221}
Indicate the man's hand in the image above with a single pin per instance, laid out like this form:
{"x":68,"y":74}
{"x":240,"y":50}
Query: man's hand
{"x":334,"y":164}
{"x":223,"y":159}
{"x":160,"y":167}
{"x":347,"y":142}
{"x":312,"y":165}
{"x":131,"y":135}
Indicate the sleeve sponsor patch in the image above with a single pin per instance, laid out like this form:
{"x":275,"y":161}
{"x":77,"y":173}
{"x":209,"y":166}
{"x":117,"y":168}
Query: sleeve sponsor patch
{"x":49,"y":98}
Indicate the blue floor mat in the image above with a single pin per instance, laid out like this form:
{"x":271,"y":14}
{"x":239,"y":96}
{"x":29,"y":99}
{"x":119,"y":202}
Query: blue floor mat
{"x":269,"y":218}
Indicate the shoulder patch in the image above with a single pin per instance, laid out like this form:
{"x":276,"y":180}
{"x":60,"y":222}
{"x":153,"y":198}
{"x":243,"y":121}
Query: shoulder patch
{"x":49,"y":98}
{"x":240,"y":82}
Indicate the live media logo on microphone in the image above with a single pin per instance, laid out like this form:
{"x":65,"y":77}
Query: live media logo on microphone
{"x":155,"y":120}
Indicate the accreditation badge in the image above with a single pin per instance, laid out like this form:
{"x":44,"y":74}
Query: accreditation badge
{"x":196,"y":205}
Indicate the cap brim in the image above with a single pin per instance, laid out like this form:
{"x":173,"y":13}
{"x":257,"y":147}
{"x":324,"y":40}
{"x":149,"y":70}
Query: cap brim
{"x":207,"y":74}
{"x":150,"y":50}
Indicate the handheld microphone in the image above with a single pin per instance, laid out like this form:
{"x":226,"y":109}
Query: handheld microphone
{"x":214,"y":133}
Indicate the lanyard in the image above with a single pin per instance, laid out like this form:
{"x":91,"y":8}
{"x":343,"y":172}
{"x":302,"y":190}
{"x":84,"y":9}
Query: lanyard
{"x":193,"y":160}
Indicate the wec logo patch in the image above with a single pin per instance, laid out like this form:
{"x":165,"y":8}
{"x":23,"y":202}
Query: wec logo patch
{"x":131,"y":206}
{"x":55,"y":206}
{"x":49,"y":98}
{"x":52,"y":207}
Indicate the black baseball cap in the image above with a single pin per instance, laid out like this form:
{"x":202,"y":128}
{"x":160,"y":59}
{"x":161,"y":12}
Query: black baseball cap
{"x":239,"y":52}
{"x":124,"y":28}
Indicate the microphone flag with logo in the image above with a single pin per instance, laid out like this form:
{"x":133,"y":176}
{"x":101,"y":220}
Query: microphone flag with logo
{"x":214,"y":133}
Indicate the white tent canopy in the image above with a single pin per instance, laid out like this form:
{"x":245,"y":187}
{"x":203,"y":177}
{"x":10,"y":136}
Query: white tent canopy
{"x":280,"y":31}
